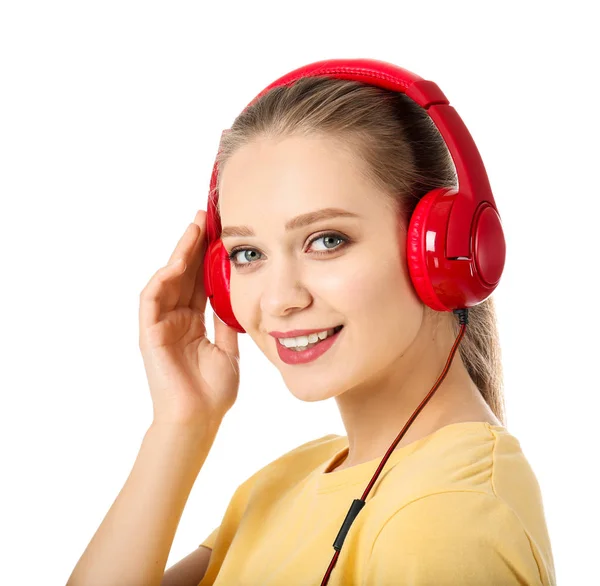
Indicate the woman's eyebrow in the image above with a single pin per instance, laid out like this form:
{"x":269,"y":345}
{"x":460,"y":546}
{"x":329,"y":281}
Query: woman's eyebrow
{"x":294,"y":223}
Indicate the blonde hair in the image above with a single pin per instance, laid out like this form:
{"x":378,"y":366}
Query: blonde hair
{"x":403,"y":155}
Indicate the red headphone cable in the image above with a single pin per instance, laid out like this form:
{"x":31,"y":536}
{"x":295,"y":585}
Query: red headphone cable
{"x":358,"y":504}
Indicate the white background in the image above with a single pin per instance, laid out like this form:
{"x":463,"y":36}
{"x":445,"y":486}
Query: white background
{"x":110,"y":115}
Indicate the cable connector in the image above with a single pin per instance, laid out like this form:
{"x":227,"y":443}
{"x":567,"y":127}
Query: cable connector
{"x":463,"y":316}
{"x":355,"y":508}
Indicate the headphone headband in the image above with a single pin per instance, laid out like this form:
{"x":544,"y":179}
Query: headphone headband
{"x":455,"y":249}
{"x":473,"y":181}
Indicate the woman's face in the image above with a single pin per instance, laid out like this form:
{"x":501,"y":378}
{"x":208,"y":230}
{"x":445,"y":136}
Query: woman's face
{"x":355,"y":276}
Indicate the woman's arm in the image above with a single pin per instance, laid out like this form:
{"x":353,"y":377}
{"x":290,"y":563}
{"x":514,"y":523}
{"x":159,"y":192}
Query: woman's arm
{"x":190,"y":570}
{"x":132,"y":545}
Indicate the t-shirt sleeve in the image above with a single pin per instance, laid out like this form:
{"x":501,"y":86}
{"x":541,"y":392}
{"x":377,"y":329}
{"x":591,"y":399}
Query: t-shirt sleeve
{"x":233,"y":513}
{"x":239,"y":501}
{"x":210,"y":540}
{"x":450,"y":538}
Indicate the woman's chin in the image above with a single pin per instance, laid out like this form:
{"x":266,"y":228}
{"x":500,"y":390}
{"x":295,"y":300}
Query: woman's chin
{"x":309,"y":392}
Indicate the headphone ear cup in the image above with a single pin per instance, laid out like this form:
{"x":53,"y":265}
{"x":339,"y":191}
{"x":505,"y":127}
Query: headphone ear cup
{"x":443,"y":283}
{"x":425,"y":247}
{"x":217,"y":271}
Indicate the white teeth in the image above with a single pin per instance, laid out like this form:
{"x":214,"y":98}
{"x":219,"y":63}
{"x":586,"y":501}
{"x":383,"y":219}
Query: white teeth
{"x":305,"y":340}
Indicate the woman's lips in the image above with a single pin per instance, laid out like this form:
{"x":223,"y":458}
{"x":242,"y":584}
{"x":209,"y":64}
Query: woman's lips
{"x":290,"y":356}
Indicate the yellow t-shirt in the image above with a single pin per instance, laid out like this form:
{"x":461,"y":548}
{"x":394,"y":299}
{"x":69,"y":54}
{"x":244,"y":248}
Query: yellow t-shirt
{"x":460,"y":506}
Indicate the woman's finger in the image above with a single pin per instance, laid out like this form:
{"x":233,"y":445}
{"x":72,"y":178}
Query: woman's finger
{"x":154,"y":298}
{"x":185,"y":245}
{"x":195,"y":262}
{"x":197,"y":300}
{"x":226,"y":339}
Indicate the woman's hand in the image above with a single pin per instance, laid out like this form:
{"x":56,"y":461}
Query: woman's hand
{"x":191,"y":380}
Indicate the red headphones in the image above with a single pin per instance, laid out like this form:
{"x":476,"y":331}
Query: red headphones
{"x":455,"y":245}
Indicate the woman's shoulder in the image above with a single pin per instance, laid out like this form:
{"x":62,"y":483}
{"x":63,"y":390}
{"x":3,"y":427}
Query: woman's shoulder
{"x":476,"y":471}
{"x":465,"y":456}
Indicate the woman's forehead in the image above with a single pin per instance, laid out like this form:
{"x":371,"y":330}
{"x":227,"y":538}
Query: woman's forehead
{"x":289,"y":182}
{"x":286,"y":164}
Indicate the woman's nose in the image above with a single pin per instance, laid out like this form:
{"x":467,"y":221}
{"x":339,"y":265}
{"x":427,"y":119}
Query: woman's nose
{"x":284,"y":290}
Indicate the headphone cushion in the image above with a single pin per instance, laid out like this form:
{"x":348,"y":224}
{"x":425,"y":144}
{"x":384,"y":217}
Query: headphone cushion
{"x":417,"y":242}
{"x":217,"y":272}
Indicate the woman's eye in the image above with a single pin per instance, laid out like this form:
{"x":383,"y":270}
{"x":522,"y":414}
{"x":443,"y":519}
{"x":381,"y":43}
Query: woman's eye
{"x":330,"y":241}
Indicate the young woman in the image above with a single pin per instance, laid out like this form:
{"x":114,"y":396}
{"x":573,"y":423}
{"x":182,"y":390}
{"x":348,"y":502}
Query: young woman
{"x":310,"y":246}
